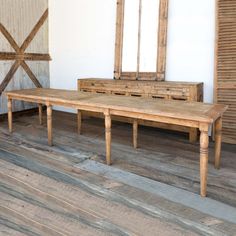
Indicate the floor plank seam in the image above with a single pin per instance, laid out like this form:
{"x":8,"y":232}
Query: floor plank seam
{"x":189,"y":199}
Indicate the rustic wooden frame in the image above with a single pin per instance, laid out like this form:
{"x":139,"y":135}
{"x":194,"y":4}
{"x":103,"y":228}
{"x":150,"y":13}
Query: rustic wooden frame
{"x":161,"y":50}
{"x":20,"y":56}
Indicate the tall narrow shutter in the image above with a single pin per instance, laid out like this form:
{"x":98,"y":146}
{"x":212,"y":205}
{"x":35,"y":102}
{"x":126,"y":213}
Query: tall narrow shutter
{"x":225,"y":70}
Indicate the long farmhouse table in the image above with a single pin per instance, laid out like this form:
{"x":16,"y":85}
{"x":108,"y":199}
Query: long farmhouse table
{"x":189,"y":114}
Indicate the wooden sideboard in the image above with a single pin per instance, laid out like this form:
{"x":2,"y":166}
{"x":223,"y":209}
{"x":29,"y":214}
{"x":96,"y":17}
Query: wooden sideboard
{"x":183,"y":91}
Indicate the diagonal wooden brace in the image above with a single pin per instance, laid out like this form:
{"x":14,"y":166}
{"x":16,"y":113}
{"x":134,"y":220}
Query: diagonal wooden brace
{"x":20,"y":56}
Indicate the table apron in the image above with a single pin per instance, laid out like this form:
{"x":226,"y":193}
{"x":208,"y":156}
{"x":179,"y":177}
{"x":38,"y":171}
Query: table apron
{"x":129,"y":114}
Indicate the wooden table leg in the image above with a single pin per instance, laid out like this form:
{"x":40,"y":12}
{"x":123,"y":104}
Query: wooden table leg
{"x":108,"y":138}
{"x":218,"y":140}
{"x":79,"y":119}
{"x":204,"y":143}
{"x":193,"y":135}
{"x":135,"y":133}
{"x":9,"y":105}
{"x":49,"y":124}
{"x":40,"y":114}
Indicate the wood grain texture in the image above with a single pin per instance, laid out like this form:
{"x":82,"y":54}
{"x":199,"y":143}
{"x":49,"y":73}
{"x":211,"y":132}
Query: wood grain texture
{"x":108,"y":137}
{"x":218,"y":140}
{"x":162,"y":39}
{"x":191,"y":114}
{"x":161,"y":48}
{"x":9,"y":38}
{"x":40,"y":114}
{"x":135,"y":134}
{"x":225,"y":62}
{"x":5,"y":56}
{"x":204,"y":144}
{"x":9,"y":106}
{"x":9,"y":76}
{"x":42,"y":179}
{"x":127,"y":106}
{"x":21,"y":39}
{"x":156,"y":90}
{"x":34,"y":31}
{"x":49,"y":124}
{"x":79,"y":119}
{"x":119,"y":38}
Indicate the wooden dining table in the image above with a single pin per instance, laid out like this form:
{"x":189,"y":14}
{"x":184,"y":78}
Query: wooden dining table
{"x":189,"y":114}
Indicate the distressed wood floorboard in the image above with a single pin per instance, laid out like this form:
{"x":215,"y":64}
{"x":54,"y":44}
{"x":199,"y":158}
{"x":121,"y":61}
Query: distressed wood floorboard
{"x":43,"y":193}
{"x":92,"y":199}
{"x":180,"y":171}
{"x":84,"y":175}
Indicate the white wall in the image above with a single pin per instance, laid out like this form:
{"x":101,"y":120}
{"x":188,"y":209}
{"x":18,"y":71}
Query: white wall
{"x":82,"y":39}
{"x":191,"y":35}
{"x":82,"y":35}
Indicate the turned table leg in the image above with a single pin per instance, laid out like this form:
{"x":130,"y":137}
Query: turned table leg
{"x":108,"y":137}
{"x":9,"y":105}
{"x":79,"y":120}
{"x":218,"y":139}
{"x":135,"y":133}
{"x":40,"y":114}
{"x":204,"y":143}
{"x":49,"y":124}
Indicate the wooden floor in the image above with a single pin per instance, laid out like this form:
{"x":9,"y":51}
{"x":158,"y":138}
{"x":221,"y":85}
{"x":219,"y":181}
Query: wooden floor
{"x":67,"y":190}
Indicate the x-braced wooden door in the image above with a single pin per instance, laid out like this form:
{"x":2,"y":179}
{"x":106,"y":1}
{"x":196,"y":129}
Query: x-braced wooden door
{"x":24,"y":47}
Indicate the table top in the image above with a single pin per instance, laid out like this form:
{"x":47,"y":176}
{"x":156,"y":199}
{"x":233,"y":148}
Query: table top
{"x":195,"y":111}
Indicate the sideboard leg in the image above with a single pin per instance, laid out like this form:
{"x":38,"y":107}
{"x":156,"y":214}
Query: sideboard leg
{"x":9,"y":105}
{"x":108,"y":138}
{"x":204,"y":143}
{"x":218,"y":140}
{"x":40,"y":114}
{"x":135,"y":133}
{"x":49,"y":124}
{"x":79,"y":120}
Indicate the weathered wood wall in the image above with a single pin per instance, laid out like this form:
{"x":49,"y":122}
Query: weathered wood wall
{"x":19,"y":18}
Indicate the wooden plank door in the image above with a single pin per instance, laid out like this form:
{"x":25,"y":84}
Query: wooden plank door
{"x":23,"y":47}
{"x":225,"y":69}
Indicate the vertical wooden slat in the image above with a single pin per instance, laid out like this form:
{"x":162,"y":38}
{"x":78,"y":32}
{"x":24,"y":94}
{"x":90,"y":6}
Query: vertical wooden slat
{"x":216,"y":49}
{"x":225,"y":65}
{"x":218,"y":140}
{"x":9,"y":76}
{"x":31,"y":74}
{"x":9,"y":38}
{"x":35,"y":30}
{"x":139,"y":38}
{"x":119,"y":38}
{"x":162,"y":39}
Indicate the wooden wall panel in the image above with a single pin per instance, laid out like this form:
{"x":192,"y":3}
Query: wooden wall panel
{"x":19,"y":18}
{"x":225,"y":69}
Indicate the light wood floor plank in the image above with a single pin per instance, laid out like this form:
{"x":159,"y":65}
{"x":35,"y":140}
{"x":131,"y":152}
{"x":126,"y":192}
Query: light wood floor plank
{"x":46,"y":180}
